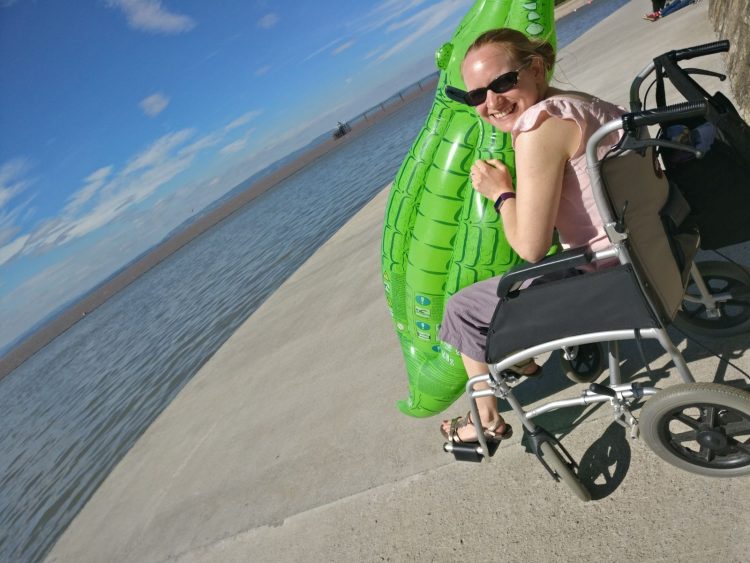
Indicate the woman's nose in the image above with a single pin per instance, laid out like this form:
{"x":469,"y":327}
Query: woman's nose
{"x":493,"y":101}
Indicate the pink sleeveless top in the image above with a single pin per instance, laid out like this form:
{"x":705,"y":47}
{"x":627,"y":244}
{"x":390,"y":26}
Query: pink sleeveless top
{"x":578,"y":221}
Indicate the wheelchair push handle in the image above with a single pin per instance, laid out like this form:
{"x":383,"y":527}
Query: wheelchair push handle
{"x":676,"y":112}
{"x":675,"y":56}
{"x":699,"y":50}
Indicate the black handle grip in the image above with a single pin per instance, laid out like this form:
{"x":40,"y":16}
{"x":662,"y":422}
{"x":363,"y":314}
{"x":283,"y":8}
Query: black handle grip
{"x":631,"y":121}
{"x":699,"y":50}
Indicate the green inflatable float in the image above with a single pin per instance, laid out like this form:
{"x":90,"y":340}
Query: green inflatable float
{"x":439,"y":234}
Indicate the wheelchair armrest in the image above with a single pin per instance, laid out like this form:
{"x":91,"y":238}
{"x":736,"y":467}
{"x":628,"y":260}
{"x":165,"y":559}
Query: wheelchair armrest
{"x":512,"y":279}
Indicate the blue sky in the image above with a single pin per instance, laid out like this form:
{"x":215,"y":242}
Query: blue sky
{"x":121,"y":118}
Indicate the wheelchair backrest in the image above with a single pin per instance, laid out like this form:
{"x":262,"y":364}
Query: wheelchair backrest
{"x":634,"y":182}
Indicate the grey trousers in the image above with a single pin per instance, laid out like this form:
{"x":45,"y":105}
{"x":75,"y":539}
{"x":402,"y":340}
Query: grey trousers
{"x":468,"y":313}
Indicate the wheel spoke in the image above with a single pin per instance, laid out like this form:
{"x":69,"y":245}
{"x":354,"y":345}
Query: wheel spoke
{"x":697,"y":312}
{"x":687,"y":420}
{"x":740,"y":428}
{"x":703,"y":428}
{"x":740,"y":447}
{"x":708,"y":413}
{"x":683,"y":437}
{"x":707,"y":454}
{"x":741,"y":294}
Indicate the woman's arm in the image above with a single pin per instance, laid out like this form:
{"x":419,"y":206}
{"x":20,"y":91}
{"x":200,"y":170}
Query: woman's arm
{"x":541,"y":155}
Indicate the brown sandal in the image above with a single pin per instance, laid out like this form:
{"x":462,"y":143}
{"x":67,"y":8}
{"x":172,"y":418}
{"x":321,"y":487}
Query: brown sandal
{"x":490,"y":433}
{"x":520,"y":369}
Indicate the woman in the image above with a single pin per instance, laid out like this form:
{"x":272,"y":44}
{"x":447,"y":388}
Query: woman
{"x":506,"y":76}
{"x":663,"y":11}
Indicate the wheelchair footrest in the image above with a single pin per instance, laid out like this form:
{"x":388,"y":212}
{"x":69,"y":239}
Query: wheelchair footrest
{"x":470,"y":451}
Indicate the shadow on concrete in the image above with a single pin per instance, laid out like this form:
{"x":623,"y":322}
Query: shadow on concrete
{"x":553,"y":381}
{"x":657,"y":366}
{"x":603,"y":466}
{"x":726,"y":351}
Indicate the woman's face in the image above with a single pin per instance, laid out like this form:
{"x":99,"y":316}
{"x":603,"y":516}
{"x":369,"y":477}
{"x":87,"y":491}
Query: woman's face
{"x":486,"y":63}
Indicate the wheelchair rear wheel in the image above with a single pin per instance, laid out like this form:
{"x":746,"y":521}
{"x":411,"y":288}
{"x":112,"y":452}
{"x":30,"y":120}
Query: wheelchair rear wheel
{"x":703,"y":428}
{"x":734,"y":312}
{"x":586,"y":362}
{"x":564,"y":471}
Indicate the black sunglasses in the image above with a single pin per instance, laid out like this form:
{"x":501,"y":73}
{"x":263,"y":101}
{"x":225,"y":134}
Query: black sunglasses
{"x":500,"y":85}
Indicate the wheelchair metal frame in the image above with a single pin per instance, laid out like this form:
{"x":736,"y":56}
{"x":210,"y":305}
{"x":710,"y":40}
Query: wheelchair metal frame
{"x":652,"y":280}
{"x":619,"y":395}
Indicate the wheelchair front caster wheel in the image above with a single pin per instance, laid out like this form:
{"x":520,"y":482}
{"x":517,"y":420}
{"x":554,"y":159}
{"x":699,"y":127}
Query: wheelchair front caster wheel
{"x":585,"y":363}
{"x":563,"y":471}
{"x":703,"y":428}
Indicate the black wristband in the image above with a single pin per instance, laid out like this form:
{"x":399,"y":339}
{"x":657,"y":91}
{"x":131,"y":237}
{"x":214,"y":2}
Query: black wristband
{"x":503,"y":196}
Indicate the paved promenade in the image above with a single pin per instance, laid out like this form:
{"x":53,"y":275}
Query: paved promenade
{"x":287,"y":445}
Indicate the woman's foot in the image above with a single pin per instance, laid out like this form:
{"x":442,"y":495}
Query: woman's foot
{"x":462,"y":429}
{"x":528,"y":368}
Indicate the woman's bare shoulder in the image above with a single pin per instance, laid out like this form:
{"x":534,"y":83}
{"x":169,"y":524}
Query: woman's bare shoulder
{"x":551,"y":137}
{"x":574,"y":94}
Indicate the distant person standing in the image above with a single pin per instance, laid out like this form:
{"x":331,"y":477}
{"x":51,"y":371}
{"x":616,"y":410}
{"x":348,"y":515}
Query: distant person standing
{"x":664,"y":11}
{"x":657,"y":5}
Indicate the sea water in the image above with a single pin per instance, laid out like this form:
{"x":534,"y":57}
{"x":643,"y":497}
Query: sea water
{"x":73,"y":410}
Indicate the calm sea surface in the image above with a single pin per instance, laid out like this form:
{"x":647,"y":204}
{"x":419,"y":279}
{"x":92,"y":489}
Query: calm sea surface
{"x":71,"y":412}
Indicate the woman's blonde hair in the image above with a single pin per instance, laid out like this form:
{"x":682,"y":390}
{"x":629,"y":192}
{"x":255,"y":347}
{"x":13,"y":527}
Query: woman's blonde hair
{"x":519,"y":47}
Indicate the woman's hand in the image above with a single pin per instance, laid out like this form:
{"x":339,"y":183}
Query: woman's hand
{"x":491,"y":178}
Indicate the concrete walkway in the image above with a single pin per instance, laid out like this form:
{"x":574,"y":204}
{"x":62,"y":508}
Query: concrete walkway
{"x":287,"y":445}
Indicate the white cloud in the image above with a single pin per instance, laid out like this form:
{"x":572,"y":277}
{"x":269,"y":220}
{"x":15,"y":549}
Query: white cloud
{"x":11,"y":183}
{"x":94,"y":182}
{"x":262,"y":71}
{"x":149,"y":15}
{"x":426,"y":20}
{"x":268,"y":21}
{"x":234,"y":147}
{"x":8,"y":230}
{"x":158,"y":150}
{"x":375,"y":51}
{"x":384,"y":13}
{"x":107,"y":196}
{"x":154,"y":104}
{"x":321,"y":50}
{"x":201,"y":144}
{"x":243,"y":119}
{"x":341,"y":48}
{"x":12,"y":249}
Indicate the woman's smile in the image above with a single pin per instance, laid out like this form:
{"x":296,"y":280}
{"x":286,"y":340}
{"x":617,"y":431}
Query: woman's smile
{"x":501,"y":110}
{"x":502,"y":114}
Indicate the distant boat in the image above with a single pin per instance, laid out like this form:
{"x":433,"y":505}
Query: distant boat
{"x":341,"y":130}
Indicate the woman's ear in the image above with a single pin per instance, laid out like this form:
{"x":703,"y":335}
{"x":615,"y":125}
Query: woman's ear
{"x":538,"y":69}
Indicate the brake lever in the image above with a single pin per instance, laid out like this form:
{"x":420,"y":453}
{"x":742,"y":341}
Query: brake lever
{"x":630,"y":143}
{"x":705,"y":72}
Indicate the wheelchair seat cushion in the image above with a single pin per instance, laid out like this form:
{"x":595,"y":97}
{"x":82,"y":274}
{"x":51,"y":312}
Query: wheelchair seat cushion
{"x":608,"y":299}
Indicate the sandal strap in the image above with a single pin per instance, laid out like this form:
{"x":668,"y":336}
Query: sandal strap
{"x":489,"y":432}
{"x":456,"y":424}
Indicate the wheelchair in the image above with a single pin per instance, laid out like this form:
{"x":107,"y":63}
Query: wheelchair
{"x":650,"y":282}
